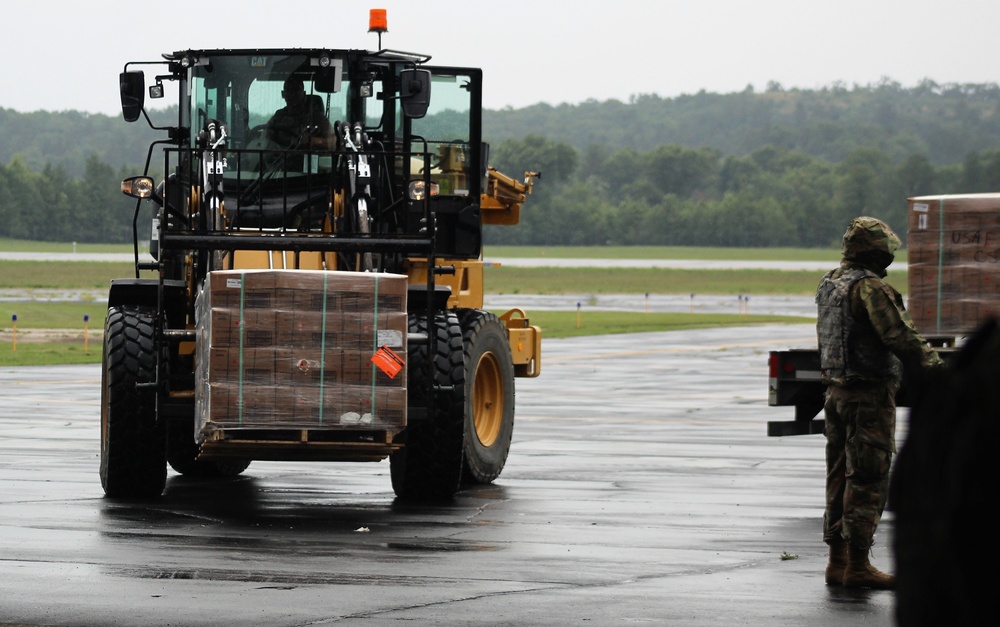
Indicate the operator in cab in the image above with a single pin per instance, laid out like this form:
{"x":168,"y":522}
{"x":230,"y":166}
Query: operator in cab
{"x":301,"y":123}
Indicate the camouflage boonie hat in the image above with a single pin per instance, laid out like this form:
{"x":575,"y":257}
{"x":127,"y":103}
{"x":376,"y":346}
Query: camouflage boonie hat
{"x":868,"y":235}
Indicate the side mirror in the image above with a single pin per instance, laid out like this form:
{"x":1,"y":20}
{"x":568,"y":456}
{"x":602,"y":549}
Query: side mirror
{"x":132,"y":86}
{"x":415,"y":92}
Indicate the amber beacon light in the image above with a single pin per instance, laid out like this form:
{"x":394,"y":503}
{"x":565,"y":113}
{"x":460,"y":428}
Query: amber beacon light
{"x":377,"y":23}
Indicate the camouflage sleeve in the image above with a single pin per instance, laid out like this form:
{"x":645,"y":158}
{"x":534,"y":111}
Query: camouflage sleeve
{"x":885,"y":309}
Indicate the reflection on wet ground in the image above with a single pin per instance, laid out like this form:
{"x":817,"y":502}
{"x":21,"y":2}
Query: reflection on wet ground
{"x":641,"y":487}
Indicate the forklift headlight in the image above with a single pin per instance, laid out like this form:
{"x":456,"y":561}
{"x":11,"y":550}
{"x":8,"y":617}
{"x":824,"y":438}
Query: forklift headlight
{"x":418,"y":191}
{"x":138,"y":187}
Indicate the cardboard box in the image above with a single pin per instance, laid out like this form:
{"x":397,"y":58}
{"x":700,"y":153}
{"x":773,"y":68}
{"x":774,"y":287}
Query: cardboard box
{"x":231,"y":406}
{"x":308,"y":329}
{"x":311,"y":368}
{"x":250,"y":366}
{"x":241,"y":289}
{"x":248,"y":327}
{"x":953,"y":253}
{"x":340,"y":329}
{"x":350,"y":407}
{"x":292,"y":349}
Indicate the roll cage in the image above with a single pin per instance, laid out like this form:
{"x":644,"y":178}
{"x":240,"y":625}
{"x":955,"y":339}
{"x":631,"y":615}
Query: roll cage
{"x":365,"y":186}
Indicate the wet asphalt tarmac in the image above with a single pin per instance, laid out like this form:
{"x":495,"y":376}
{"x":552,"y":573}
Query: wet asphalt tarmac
{"x":641,"y":489}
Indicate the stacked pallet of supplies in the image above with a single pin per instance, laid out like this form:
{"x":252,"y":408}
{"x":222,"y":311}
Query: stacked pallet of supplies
{"x":954,"y":262}
{"x":294,"y":349}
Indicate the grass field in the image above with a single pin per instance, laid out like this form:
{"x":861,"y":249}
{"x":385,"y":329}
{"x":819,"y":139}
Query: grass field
{"x":33,"y":313}
{"x":503,"y":280}
{"x":558,"y":252}
{"x":554,"y":324}
{"x":20,"y":246}
{"x":509,"y":280}
{"x":666,"y":252}
{"x":50,"y":353}
{"x":61,"y":275}
{"x":51,"y":315}
{"x":557,"y":324}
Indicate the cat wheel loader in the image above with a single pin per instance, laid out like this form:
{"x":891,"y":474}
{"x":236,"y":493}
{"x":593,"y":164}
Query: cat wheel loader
{"x":313,"y":287}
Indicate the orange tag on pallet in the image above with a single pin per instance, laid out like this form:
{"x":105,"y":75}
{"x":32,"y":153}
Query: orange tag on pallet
{"x":388,"y":361}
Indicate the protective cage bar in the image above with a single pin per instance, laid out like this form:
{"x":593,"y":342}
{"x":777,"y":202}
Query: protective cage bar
{"x":286,"y":193}
{"x":207,"y":211}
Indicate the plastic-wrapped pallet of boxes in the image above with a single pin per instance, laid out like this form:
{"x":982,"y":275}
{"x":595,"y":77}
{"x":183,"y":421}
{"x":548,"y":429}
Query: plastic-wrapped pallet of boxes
{"x":953,"y":256}
{"x":300,"y":349}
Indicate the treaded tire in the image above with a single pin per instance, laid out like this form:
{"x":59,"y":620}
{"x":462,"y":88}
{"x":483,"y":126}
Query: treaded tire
{"x":133,"y":446}
{"x":489,"y":396}
{"x":429,"y":466}
{"x":182,"y":452}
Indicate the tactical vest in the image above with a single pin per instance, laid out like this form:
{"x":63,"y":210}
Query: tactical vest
{"x":850,"y":350}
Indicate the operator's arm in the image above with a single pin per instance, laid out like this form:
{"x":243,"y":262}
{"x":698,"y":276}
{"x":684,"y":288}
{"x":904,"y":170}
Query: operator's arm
{"x":322,"y":135}
{"x":885,"y":309}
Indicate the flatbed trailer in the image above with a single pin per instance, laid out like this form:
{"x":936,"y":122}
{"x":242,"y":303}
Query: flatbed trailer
{"x":794,"y":381}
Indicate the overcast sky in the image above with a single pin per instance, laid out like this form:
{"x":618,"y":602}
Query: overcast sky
{"x":60,"y":56}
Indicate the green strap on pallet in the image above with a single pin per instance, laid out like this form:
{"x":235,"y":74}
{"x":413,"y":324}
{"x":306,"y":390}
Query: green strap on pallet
{"x":322,"y":350}
{"x":374,"y":374}
{"x":940,"y":265}
{"x":239,"y":401}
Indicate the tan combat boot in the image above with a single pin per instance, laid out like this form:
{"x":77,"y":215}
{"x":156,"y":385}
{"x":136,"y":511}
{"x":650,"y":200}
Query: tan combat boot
{"x":838,"y":563}
{"x":861,"y":574}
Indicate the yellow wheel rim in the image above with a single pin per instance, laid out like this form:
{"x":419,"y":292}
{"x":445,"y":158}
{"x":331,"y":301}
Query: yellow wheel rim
{"x":487,"y":399}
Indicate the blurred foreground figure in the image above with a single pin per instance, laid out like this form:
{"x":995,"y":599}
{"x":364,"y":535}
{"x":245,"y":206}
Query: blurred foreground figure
{"x":944,"y":493}
{"x":866,"y":341}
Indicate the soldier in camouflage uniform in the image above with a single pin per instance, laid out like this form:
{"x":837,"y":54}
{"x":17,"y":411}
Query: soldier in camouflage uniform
{"x":866,"y":338}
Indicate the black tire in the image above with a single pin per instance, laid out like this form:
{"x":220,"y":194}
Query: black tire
{"x":489,"y":396}
{"x":133,"y":444}
{"x":182,"y":453}
{"x":429,"y":466}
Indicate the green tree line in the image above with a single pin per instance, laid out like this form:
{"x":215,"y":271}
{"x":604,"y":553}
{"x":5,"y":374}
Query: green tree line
{"x":771,"y":168}
{"x":52,"y":206}
{"x":945,"y":122}
{"x":678,"y":196}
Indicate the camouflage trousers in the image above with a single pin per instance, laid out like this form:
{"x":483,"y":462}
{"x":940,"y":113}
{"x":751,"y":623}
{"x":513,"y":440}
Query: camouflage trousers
{"x":860,"y":441}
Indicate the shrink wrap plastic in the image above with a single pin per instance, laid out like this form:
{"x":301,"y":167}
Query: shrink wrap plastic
{"x":954,"y":262}
{"x":292,"y":349}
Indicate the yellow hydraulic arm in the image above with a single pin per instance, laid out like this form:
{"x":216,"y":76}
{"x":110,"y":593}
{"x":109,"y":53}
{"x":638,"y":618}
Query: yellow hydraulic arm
{"x":501,"y":203}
